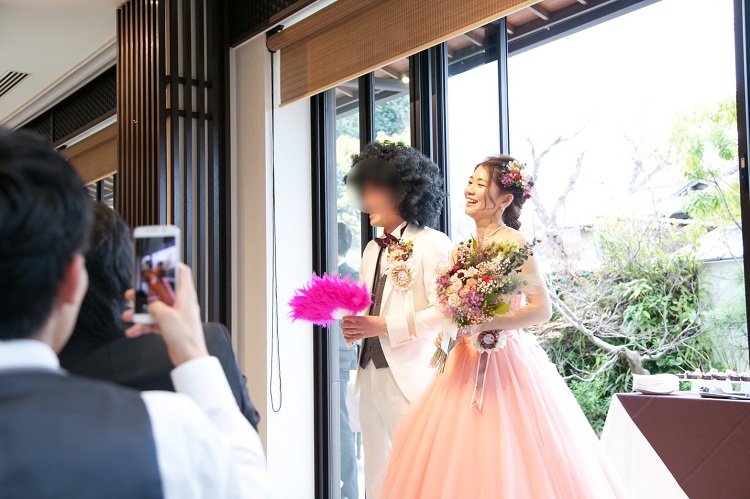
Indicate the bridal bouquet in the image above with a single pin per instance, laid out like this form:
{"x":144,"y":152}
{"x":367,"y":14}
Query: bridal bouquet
{"x":477,"y":287}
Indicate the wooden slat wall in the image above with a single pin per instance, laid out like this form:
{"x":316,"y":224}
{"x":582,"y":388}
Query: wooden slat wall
{"x":140,"y":187}
{"x":95,"y":157}
{"x":171,"y":161}
{"x":346,"y":40}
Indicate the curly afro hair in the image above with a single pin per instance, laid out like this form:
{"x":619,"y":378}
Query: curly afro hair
{"x":413,"y":178}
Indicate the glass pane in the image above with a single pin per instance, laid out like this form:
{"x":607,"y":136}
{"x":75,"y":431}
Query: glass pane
{"x":349,"y":249}
{"x":107,"y":185}
{"x":108,"y":191}
{"x":630,"y":129}
{"x":392,"y":102}
{"x":473,"y":115}
{"x":392,"y":122}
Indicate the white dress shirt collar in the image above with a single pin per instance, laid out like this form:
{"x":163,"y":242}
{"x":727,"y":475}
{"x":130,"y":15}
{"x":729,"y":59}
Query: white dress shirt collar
{"x":400,"y":229}
{"x":27,"y":354}
{"x":396,"y":232}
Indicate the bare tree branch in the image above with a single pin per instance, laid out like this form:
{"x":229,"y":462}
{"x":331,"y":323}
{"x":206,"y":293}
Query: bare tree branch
{"x":571,"y":183}
{"x":641,"y":176}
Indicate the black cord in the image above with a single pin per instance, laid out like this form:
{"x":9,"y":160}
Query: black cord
{"x":275,"y":340}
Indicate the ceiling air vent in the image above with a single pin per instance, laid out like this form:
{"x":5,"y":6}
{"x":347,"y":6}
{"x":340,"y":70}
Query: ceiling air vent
{"x":10,"y":79}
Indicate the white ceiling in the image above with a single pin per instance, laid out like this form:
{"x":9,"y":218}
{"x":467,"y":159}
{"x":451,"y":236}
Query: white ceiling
{"x":54,"y":41}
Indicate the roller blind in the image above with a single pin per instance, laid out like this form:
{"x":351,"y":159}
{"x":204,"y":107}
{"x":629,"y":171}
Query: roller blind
{"x":95,"y":157}
{"x":352,"y":37}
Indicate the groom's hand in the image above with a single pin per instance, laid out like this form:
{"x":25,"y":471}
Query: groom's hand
{"x":356,"y":327}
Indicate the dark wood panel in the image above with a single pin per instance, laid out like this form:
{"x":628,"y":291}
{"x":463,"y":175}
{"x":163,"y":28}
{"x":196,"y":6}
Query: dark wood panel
{"x":171,"y":115}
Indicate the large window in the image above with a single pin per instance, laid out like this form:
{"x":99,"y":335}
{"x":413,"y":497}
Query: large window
{"x":348,"y":251}
{"x":391,"y":113}
{"x":356,"y":123}
{"x":629,"y":126}
{"x":633,"y":142}
{"x":473,"y":114}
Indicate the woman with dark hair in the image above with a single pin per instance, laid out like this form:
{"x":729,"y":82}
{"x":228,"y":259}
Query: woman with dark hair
{"x":402,"y":191}
{"x":528,"y":438}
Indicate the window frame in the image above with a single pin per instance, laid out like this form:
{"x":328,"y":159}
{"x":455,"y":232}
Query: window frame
{"x":742,"y":63}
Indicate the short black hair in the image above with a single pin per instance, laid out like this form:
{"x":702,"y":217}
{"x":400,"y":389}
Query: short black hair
{"x":45,"y":215}
{"x":345,"y":238}
{"x":109,"y":261}
{"x":413,"y":178}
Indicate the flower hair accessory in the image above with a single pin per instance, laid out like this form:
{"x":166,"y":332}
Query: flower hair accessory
{"x":512,"y":175}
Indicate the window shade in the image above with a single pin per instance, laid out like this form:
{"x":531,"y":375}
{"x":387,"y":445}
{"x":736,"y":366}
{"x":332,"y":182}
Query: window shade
{"x":352,"y":37}
{"x":95,"y":157}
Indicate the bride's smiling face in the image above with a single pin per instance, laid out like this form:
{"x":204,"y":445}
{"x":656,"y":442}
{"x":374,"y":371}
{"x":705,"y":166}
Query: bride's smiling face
{"x":483,"y":196}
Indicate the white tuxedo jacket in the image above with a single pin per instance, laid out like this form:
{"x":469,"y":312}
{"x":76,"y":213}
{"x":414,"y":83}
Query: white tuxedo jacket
{"x":410,"y":342}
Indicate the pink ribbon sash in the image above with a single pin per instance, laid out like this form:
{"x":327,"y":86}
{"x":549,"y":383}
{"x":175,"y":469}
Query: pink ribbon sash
{"x":482,"y":363}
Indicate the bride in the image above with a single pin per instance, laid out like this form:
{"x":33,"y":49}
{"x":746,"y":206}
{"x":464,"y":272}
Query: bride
{"x":530,"y":438}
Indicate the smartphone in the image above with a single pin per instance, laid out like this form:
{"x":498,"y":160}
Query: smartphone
{"x":157,"y":255}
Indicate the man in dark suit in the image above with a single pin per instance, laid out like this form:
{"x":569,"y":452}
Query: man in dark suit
{"x":63,"y":435}
{"x":98,"y":347}
{"x":347,"y":362}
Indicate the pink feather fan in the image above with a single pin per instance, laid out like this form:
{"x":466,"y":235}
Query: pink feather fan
{"x":327,"y":299}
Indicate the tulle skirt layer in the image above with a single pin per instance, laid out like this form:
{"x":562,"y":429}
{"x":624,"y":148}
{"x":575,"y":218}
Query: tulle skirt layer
{"x":530,"y":439}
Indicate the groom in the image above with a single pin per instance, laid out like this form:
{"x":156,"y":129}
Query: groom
{"x":402,"y":192}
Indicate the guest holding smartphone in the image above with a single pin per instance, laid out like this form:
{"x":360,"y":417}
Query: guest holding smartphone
{"x":68,"y":436}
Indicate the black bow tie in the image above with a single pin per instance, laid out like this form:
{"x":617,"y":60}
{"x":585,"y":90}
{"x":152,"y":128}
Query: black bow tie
{"x":386,"y":240}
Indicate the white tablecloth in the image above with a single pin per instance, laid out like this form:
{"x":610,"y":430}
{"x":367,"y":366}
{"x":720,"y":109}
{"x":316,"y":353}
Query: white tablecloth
{"x":642,"y":470}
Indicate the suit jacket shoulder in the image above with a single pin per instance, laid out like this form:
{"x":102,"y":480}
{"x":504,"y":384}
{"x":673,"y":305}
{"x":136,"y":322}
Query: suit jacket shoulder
{"x":434,"y":237}
{"x":219,"y":345}
{"x":143,"y":364}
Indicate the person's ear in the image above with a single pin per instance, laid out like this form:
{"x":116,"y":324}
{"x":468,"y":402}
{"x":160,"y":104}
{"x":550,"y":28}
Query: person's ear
{"x":506,"y":200}
{"x":74,"y":281}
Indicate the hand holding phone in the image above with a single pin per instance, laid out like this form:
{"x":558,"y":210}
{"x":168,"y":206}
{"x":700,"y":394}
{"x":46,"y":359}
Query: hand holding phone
{"x":157,"y":254}
{"x":180,"y":325}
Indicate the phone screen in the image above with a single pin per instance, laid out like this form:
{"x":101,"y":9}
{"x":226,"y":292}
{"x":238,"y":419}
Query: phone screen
{"x":156,"y":272}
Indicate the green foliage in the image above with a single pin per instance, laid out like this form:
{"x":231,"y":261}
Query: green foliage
{"x":391,"y":120}
{"x":705,"y":147}
{"x":654,"y":271}
{"x":727,"y":323}
{"x":644,"y":297}
{"x":594,"y":398}
{"x":391,"y":123}
{"x":647,"y":294}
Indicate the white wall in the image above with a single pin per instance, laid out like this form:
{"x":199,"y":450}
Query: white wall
{"x":287,"y":434}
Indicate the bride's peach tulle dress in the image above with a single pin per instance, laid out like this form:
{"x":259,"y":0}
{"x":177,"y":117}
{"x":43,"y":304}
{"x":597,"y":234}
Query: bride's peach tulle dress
{"x":530,"y":439}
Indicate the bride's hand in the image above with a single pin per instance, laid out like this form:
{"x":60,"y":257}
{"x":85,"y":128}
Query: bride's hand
{"x":439,"y":340}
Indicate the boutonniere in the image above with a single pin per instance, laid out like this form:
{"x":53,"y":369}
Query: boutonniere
{"x":400,"y":270}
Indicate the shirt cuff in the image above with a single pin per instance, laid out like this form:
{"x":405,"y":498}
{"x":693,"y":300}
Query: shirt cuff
{"x":398,"y":330}
{"x":203,"y":380}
